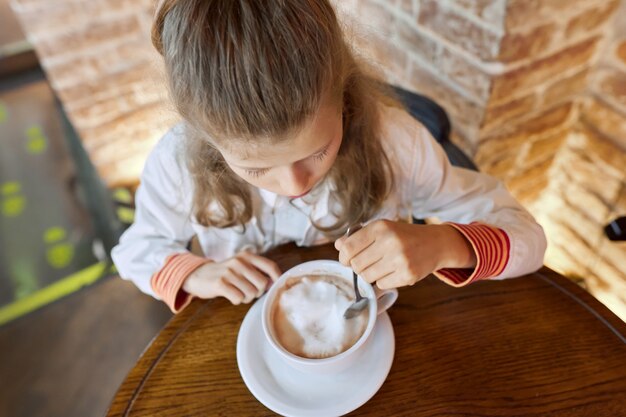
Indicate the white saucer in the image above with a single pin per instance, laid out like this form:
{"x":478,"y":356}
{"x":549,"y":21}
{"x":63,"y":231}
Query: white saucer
{"x":289,"y":392}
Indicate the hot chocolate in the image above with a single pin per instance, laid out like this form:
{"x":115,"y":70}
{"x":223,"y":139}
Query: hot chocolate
{"x":307,"y":316}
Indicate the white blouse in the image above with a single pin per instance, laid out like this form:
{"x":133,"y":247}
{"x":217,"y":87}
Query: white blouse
{"x":426,"y":186}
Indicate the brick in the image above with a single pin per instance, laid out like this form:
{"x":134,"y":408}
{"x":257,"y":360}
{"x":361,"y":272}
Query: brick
{"x":545,"y":123}
{"x":499,"y":147}
{"x":543,"y":70}
{"x":87,"y":37}
{"x":611,"y":85}
{"x":143,"y":125}
{"x":529,"y":195}
{"x":388,"y":55}
{"x":545,"y":148}
{"x":416,"y":42}
{"x":345,"y":9}
{"x":125,"y":171}
{"x":500,"y":167}
{"x":99,"y":62}
{"x":516,"y":46}
{"x":610,"y":272}
{"x":564,"y":88}
{"x":509,"y":110}
{"x":453,"y":26}
{"x":467,"y":75}
{"x":106,"y":86}
{"x":620,"y":205}
{"x":466,"y":133}
{"x":588,"y":173}
{"x":491,"y":11}
{"x":608,"y":157}
{"x":531,"y":176}
{"x":407,"y":6}
{"x":587,"y":202}
{"x":607,"y":282}
{"x":620,"y":51}
{"x":520,"y":12}
{"x":590,"y":19}
{"x":376,"y":18}
{"x":107,"y":110}
{"x":461,"y":109}
{"x":63,"y":16}
{"x":561,"y":260}
{"x":563,"y":235}
{"x":524,"y":13}
{"x":559,"y":255}
{"x":499,"y":154}
{"x":587,"y":232}
{"x":606,"y":120}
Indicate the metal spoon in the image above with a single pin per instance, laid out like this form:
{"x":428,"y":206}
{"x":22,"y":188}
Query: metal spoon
{"x":361,"y":302}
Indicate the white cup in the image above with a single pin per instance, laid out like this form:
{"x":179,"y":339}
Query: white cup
{"x":380,"y":301}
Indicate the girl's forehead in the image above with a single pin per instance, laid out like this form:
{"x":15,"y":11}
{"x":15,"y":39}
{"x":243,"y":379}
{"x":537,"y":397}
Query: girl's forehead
{"x":318,"y":131}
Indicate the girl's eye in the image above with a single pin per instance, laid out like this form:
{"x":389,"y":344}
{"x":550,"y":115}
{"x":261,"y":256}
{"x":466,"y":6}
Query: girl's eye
{"x":321,"y":155}
{"x":256,"y":172}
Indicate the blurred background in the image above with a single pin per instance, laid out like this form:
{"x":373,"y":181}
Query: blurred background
{"x":536,"y":91}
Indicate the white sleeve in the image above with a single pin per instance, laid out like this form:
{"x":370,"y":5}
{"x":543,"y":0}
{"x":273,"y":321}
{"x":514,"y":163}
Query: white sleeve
{"x":162,"y":218}
{"x":463,"y":196}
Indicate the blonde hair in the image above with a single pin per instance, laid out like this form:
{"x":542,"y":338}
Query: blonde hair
{"x":255,"y":70}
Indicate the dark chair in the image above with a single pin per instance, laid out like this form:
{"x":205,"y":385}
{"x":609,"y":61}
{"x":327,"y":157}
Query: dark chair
{"x":435,"y":119}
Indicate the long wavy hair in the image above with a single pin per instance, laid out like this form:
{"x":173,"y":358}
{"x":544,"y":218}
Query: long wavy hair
{"x":253,"y":71}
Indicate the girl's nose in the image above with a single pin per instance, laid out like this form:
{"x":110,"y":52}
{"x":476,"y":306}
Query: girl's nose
{"x":295,"y":180}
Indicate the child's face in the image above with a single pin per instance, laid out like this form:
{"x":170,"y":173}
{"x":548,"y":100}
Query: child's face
{"x":294,"y":166}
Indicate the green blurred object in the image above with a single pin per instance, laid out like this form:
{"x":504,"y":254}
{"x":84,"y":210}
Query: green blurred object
{"x":53,"y":207}
{"x":4,"y":114}
{"x":37,"y":142}
{"x":13,"y":202}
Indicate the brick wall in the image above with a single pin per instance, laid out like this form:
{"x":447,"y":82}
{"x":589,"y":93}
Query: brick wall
{"x":99,"y":60}
{"x":537,"y":93}
{"x":510,"y":73}
{"x":587,"y":187}
{"x":604,"y":109}
{"x":533,"y":88}
{"x":586,"y":190}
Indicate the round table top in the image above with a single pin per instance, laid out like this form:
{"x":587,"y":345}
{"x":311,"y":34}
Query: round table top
{"x":532,"y":346}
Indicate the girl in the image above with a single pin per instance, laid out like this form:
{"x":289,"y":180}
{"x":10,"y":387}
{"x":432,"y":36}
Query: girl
{"x":286,"y":138}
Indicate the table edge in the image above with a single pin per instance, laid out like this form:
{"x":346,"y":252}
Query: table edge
{"x":126,"y":394}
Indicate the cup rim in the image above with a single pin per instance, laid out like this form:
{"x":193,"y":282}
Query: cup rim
{"x":271,"y":295}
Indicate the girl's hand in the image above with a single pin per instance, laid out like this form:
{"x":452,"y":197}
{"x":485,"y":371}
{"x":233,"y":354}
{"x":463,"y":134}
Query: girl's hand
{"x":395,"y":254}
{"x":240,"y":279}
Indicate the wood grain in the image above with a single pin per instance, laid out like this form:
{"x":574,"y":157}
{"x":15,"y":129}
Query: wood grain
{"x":532,"y":346}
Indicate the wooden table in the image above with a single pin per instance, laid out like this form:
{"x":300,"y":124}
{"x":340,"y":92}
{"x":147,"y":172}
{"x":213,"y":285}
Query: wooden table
{"x":532,"y":346}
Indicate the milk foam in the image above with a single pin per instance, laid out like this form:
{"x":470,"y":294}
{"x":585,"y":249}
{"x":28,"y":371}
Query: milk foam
{"x":308,"y":316}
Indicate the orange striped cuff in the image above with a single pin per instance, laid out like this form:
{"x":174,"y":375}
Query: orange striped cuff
{"x":167,"y":283}
{"x":492,"y":248}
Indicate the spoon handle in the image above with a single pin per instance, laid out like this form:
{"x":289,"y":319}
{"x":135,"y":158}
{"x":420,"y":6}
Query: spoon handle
{"x":352,"y":229}
{"x":356,"y":287}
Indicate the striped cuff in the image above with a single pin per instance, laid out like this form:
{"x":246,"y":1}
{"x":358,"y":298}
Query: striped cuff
{"x":168,"y":282}
{"x":492,"y":248}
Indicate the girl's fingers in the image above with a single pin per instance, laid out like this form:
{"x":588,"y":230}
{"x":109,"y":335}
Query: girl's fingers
{"x":267,"y":266}
{"x":354,"y":245}
{"x":253,"y":275}
{"x":377,"y":270}
{"x":231,"y":293}
{"x":367,"y":257}
{"x":393,"y":280}
{"x":242,"y":284}
{"x":399,"y":279}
